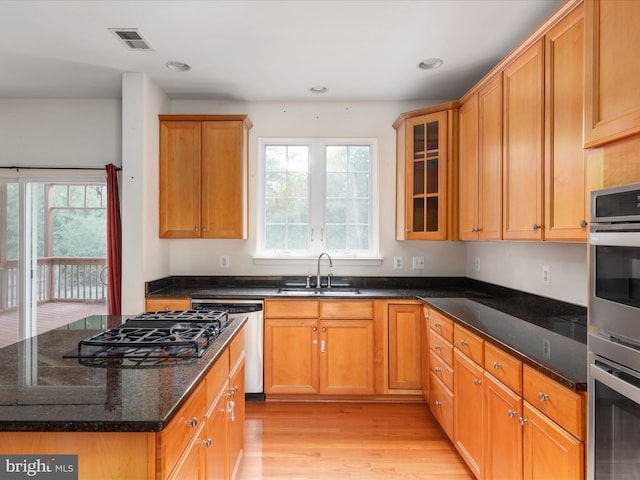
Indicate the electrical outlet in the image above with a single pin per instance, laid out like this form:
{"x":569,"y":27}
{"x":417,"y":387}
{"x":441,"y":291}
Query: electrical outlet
{"x":546,"y":275}
{"x":418,"y":262}
{"x":546,"y":348}
{"x":224,"y":261}
{"x":398,"y":263}
{"x":477,"y":264}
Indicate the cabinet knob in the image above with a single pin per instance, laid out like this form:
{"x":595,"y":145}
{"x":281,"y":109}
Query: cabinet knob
{"x":438,"y":403}
{"x":324,"y":329}
{"x":314,"y":329}
{"x":437,"y":324}
{"x":193,"y":422}
{"x":477,"y":382}
{"x":207,"y":443}
{"x":438,"y":369}
{"x":464,"y":343}
{"x":204,"y":229}
{"x":407,"y":230}
{"x":535,"y":227}
{"x":583,"y":224}
{"x":543,"y":397}
{"x":523,"y":421}
{"x":197,"y":229}
{"x":497,"y":365}
{"x":437,"y":347}
{"x":512,"y":413}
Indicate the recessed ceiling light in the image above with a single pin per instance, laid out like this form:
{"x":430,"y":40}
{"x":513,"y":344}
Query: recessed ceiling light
{"x":318,"y":89}
{"x":430,"y":63}
{"x":178,"y":66}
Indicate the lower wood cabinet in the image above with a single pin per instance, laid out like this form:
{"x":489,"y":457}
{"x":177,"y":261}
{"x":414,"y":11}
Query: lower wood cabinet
{"x":164,"y":304}
{"x":405,"y":358}
{"x":329,"y":353}
{"x":468,"y":411}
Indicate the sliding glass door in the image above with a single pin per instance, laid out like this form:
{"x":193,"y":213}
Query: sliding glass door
{"x":52,"y":254}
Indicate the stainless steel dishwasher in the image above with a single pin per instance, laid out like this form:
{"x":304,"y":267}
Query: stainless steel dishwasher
{"x":253,"y":338}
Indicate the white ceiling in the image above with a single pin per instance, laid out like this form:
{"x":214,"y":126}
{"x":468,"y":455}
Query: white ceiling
{"x":261,"y":50}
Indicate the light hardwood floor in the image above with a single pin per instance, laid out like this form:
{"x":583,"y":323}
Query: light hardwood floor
{"x":369,"y":441}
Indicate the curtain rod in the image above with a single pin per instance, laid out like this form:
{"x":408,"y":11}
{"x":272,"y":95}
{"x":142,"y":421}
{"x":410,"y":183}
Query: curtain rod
{"x":102,"y":169}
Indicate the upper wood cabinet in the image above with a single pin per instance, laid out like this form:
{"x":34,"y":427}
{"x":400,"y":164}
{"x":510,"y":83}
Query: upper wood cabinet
{"x":481,"y":164}
{"x":612,"y":96}
{"x":426,"y":202}
{"x":566,"y":192}
{"x":523,"y":97}
{"x":203,"y":176}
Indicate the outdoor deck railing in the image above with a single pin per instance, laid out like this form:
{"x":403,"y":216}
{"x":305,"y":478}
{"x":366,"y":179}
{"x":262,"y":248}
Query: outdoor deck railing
{"x":59,"y":279}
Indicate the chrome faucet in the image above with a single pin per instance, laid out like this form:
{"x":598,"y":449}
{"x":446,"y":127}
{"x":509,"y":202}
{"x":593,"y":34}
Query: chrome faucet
{"x":318,"y":278}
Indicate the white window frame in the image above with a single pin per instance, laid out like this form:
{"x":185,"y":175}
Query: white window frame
{"x":317,"y":193}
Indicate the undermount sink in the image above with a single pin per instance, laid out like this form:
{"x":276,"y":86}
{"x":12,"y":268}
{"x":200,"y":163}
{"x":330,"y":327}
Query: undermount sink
{"x":319,"y":291}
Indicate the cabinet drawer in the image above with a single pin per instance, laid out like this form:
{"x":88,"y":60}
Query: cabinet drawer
{"x":291,"y":308}
{"x":565,"y":407}
{"x":441,"y":404}
{"x":217,"y":376}
{"x":441,"y":324}
{"x":236,"y":349}
{"x":504,"y":367}
{"x":469,"y":344}
{"x":174,"y":439}
{"x":166,"y":304}
{"x":441,"y":370}
{"x":346,"y":309}
{"x":441,"y":348}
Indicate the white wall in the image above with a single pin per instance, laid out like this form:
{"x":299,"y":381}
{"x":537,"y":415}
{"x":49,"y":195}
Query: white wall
{"x":144,"y":256}
{"x":317,"y":119}
{"x":519,"y":265}
{"x":66,"y":133}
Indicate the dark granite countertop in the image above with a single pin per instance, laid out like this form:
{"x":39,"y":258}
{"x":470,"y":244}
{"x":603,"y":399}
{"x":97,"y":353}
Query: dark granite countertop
{"x":514,"y":320}
{"x":561,"y":356}
{"x":42,"y":391}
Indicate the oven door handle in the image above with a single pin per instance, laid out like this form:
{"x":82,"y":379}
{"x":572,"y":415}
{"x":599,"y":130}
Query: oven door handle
{"x":615,"y":383}
{"x":614,"y":239}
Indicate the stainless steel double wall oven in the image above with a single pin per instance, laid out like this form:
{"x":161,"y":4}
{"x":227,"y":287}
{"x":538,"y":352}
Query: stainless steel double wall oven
{"x":614,"y":334}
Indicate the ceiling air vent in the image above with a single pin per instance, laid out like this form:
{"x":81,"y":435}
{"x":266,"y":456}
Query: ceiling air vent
{"x":131,"y":38}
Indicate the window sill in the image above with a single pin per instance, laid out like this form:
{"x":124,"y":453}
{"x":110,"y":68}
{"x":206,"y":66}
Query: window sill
{"x":342,"y":261}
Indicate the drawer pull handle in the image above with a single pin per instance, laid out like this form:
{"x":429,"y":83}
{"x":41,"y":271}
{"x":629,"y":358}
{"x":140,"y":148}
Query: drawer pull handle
{"x":231,"y":411}
{"x":438,"y":369}
{"x":497,"y":365}
{"x":543,"y":396}
{"x":438,"y":403}
{"x":437,"y":347}
{"x":464,"y":343}
{"x":477,"y":382}
{"x":512,"y":413}
{"x":207,"y":443}
{"x":192,"y":422}
{"x":523,"y":421}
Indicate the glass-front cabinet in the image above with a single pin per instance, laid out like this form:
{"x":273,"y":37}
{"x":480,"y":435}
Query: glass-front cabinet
{"x":426,"y":174}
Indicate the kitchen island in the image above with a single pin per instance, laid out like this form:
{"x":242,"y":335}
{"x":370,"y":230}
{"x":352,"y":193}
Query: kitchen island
{"x":143,"y":423}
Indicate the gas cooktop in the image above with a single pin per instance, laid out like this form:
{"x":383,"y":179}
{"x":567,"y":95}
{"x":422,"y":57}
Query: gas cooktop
{"x":153,"y":339}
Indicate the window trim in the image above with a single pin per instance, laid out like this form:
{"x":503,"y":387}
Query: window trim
{"x":319,"y":144}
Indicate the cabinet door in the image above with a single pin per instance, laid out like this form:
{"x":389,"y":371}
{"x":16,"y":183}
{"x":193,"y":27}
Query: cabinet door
{"x":468,"y":161}
{"x":566,"y":200}
{"x":612,"y":96}
{"x":291,"y":356}
{"x":405,"y":346}
{"x":503,"y":433}
{"x":468,"y":411}
{"x":235,"y":413}
{"x":192,"y":464}
{"x":346,"y":357}
{"x":490,"y":160}
{"x":180,"y":179}
{"x":523,"y":145}
{"x":166,"y":304}
{"x":216,"y":453}
{"x":426,"y":177}
{"x":549,"y":451}
{"x":224,"y":179}
{"x":424,"y":352}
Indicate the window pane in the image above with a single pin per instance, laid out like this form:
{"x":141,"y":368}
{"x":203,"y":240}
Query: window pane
{"x":336,"y":211}
{"x":297,"y":211}
{"x":337,"y":185}
{"x":357,"y":237}
{"x":76,"y":196}
{"x":60,"y":196}
{"x":359,"y":159}
{"x":297,"y":237}
{"x":359,"y":185}
{"x":337,"y":158}
{"x":275,"y":158}
{"x":275,"y":236}
{"x":94,"y":196}
{"x":336,"y":237}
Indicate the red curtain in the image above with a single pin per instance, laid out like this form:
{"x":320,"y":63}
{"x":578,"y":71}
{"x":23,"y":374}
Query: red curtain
{"x":114,"y":241}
